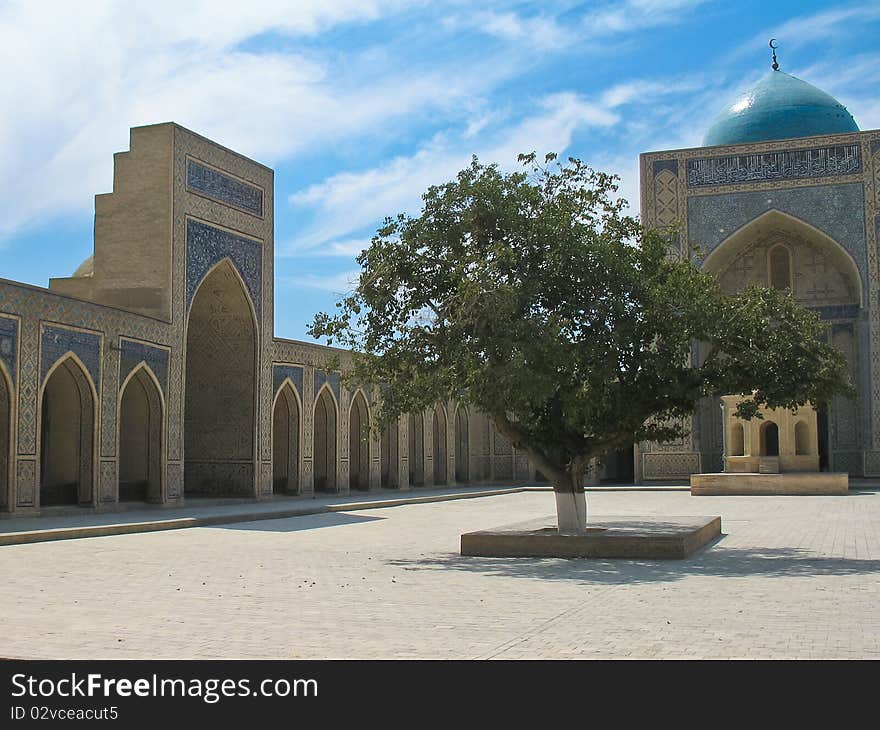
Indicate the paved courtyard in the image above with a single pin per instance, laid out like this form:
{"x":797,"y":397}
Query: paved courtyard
{"x":793,"y":577}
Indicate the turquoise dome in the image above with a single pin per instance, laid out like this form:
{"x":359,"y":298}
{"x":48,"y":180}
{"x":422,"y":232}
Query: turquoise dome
{"x":779,"y":106}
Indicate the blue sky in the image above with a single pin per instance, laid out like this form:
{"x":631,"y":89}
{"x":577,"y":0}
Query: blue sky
{"x":360,"y":105}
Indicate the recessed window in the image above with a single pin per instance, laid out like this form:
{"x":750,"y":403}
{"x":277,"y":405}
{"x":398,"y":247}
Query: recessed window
{"x":780,"y":267}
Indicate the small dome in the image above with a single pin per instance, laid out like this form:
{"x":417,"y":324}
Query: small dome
{"x":86,"y":268}
{"x":779,"y":106}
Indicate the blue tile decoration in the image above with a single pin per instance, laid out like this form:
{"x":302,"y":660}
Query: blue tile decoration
{"x":281,"y":372}
{"x":875,"y":146}
{"x":224,"y":188}
{"x":9,"y":344}
{"x":836,"y":210}
{"x":206,"y":246}
{"x":57,"y":341}
{"x":332,"y":378}
{"x":671,"y":165}
{"x":784,"y":165}
{"x":837,"y":311}
{"x":133,"y":353}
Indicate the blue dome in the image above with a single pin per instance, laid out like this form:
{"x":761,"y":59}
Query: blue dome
{"x":779,"y":106}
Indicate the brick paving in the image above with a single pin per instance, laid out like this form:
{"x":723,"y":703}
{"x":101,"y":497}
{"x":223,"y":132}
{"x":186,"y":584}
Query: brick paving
{"x":793,"y":577}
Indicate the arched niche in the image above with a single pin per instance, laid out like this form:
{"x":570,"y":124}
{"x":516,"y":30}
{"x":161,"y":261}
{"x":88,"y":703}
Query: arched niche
{"x":802,"y":440}
{"x":439,"y":433}
{"x":416,"y":446}
{"x":359,"y":443}
{"x":220,"y":390}
{"x":286,"y":434}
{"x":140,"y":424}
{"x":67,"y":435}
{"x":737,"y":440}
{"x":6,"y":497}
{"x":324,"y":451}
{"x":389,"y":455}
{"x":769,"y":435}
{"x":462,"y":448}
{"x":820,"y":271}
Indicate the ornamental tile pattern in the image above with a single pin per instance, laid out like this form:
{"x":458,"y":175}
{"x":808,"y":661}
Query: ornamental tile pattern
{"x":133,"y":353}
{"x":9,"y":344}
{"x":224,"y":188}
{"x":58,"y":341}
{"x":280,"y":373}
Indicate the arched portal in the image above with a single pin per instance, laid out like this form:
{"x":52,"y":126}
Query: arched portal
{"x":439,"y":425}
{"x":285,"y":441}
{"x":389,"y":456}
{"x":462,"y":452}
{"x":769,"y":439}
{"x":6,"y":497}
{"x":324,"y":454}
{"x":359,"y":443}
{"x":67,"y":436}
{"x":140,"y":439}
{"x":219,"y":417}
{"x":416,"y":445}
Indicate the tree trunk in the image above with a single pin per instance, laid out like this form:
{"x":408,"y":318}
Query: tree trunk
{"x":571,"y":506}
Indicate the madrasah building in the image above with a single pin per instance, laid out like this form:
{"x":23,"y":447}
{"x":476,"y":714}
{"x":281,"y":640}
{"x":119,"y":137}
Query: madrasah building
{"x":153,"y":374}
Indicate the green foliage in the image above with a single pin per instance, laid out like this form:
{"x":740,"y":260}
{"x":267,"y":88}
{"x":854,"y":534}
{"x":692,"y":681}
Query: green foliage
{"x":533,"y":297}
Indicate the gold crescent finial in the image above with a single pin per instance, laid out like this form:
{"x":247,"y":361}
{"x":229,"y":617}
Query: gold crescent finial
{"x":775,"y":64}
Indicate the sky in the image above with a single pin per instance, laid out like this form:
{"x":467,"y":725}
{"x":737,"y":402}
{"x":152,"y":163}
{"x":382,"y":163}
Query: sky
{"x":360,"y":105}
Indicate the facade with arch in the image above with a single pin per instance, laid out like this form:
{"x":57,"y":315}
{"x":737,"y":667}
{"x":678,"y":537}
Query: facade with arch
{"x":153,"y":374}
{"x":779,"y":200}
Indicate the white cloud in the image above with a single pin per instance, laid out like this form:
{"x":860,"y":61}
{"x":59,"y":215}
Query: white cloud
{"x":339,"y":283}
{"x":348,"y":201}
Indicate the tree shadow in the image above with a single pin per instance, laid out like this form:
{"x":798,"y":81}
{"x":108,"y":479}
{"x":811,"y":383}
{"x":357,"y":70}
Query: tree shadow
{"x":299,"y":523}
{"x":714,"y":560}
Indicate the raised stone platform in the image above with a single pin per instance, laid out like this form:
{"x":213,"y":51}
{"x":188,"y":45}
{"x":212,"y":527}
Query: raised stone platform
{"x":650,"y":537}
{"x":776,"y":484}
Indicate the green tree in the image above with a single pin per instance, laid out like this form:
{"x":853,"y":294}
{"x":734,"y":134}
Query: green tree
{"x":533,"y":297}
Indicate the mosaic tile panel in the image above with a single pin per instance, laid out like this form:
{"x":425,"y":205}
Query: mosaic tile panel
{"x":133,"y":353}
{"x":282,"y":372}
{"x":57,"y":341}
{"x":207,"y":246}
{"x":332,"y":378}
{"x":224,"y":188}
{"x":9,"y":344}
{"x":782,"y":165}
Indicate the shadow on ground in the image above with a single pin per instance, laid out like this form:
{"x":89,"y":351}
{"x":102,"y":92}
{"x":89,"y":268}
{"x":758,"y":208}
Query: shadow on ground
{"x":714,"y":560}
{"x":300,"y":522}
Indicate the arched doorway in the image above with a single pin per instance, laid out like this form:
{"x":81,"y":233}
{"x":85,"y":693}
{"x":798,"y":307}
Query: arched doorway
{"x":219,"y":410}
{"x":285,"y":441}
{"x":359,"y":443}
{"x":439,"y":426}
{"x":462,"y":452}
{"x":6,"y":498}
{"x":737,"y":440}
{"x":324,"y":454}
{"x":140,"y":439}
{"x":389,"y":456}
{"x":416,"y":445}
{"x":67,"y":436}
{"x":769,"y":439}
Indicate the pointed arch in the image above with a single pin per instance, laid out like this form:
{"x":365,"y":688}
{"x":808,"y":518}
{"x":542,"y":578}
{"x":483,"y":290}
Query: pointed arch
{"x":220,"y":394}
{"x":802,"y":440}
{"x":769,"y":438}
{"x":737,"y":440}
{"x":359,"y":421}
{"x":7,"y":400}
{"x":779,"y":267}
{"x":462,"y":445}
{"x":68,"y":418}
{"x":775,"y":226}
{"x":416,"y":453}
{"x":140,"y":421}
{"x":389,"y":455}
{"x":440,"y":446}
{"x":324,"y":454}
{"x":286,"y":439}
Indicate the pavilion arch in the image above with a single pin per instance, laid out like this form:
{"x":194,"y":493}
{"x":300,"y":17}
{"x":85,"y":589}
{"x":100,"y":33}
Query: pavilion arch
{"x":416,"y":446}
{"x":440,"y":445}
{"x":389,"y":455}
{"x":68,"y":418}
{"x":7,"y":398}
{"x":775,"y":227}
{"x":359,"y":422}
{"x":324,"y":454}
{"x":220,"y":396}
{"x":802,"y":440}
{"x":141,"y":436}
{"x":737,"y":440}
{"x":286,"y":439}
{"x":462,"y":445}
{"x":769,"y":438}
